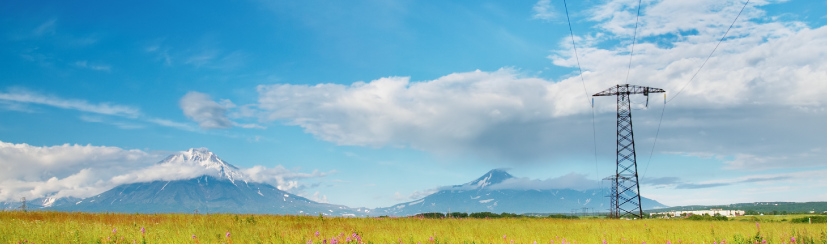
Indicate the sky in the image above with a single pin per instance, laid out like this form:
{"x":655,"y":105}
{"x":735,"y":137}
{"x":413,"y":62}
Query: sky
{"x":373,"y":103}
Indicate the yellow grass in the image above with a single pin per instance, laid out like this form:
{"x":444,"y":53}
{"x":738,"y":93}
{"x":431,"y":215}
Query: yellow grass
{"x":59,"y":227}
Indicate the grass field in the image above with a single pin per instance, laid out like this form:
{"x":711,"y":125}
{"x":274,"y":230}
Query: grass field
{"x":60,"y":227}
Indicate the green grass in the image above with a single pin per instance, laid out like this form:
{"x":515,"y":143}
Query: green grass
{"x":61,"y":227}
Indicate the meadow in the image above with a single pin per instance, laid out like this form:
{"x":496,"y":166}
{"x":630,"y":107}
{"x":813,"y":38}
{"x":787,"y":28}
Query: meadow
{"x":62,"y":227}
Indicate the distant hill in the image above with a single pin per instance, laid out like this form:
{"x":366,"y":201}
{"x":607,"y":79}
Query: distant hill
{"x":478,"y":196}
{"x":762,"y":207}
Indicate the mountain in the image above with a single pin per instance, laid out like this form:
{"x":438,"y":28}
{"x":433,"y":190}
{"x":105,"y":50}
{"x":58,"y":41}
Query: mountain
{"x":223,"y":190}
{"x":482,"y":195}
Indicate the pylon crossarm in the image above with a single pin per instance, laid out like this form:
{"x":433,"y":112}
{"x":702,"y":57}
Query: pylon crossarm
{"x":628,"y":89}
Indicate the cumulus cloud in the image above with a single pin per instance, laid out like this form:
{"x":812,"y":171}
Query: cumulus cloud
{"x":440,"y":115}
{"x":765,"y":76}
{"x":202,"y":109}
{"x":31,"y":171}
{"x":84,"y":171}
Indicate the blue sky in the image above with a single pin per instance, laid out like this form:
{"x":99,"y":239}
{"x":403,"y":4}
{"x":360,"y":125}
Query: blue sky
{"x":394,"y":99}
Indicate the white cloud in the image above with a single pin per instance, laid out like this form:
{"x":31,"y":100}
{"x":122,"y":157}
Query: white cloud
{"x":16,"y":99}
{"x":765,"y":76}
{"x":433,"y":115}
{"x":84,"y":171}
{"x":31,"y":171}
{"x":282,"y":178}
{"x":23,"y":96}
{"x":172,"y":124}
{"x":318,"y":198}
{"x":202,"y":109}
{"x":213,"y":115}
{"x":812,"y":158}
{"x":543,"y":10}
{"x":119,"y":124}
{"x":570,"y":181}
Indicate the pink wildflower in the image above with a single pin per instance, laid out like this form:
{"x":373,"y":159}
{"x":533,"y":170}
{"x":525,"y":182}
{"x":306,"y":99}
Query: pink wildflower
{"x":317,"y":233}
{"x":792,"y":239}
{"x":193,"y":236}
{"x":114,"y":231}
{"x":604,"y":241}
{"x":228,"y":234}
{"x":143,"y":231}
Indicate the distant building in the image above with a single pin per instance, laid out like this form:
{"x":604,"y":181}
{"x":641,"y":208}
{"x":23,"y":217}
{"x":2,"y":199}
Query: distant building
{"x":711,"y":212}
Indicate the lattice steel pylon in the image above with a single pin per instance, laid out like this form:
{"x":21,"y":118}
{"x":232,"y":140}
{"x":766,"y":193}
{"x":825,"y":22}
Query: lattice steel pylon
{"x":625,"y":188}
{"x":612,"y":196}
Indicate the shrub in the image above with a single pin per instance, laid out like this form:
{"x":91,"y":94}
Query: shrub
{"x":707,"y":217}
{"x":814,"y":219}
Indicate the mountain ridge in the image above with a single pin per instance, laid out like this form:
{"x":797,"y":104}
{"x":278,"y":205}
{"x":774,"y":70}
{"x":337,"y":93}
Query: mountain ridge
{"x":224,"y":189}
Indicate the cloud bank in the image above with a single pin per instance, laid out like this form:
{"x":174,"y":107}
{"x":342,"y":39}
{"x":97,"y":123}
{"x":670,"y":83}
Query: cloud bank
{"x":766,"y":76}
{"x":84,"y":171}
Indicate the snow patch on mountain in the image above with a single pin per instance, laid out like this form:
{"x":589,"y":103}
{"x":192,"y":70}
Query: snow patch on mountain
{"x":484,"y":182}
{"x":47,"y":202}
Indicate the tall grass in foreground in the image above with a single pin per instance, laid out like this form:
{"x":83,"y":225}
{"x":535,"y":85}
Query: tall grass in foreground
{"x":61,"y":227}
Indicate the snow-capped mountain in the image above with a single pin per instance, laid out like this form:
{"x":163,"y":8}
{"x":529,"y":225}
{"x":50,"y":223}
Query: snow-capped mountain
{"x":204,"y":158}
{"x":495,"y":176}
{"x":222,"y":189}
{"x":478,"y":196}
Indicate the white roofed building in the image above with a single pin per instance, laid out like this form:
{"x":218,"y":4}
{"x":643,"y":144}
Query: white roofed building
{"x":711,"y":212}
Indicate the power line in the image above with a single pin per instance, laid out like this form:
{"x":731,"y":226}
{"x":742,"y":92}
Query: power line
{"x":710,"y":54}
{"x":591,"y":102}
{"x":687,"y":83}
{"x":634,"y":39}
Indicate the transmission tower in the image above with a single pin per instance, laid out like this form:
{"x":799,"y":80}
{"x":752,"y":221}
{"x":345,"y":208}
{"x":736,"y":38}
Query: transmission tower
{"x":23,"y":206}
{"x":625,"y":189}
{"x":612,"y":196}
